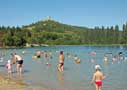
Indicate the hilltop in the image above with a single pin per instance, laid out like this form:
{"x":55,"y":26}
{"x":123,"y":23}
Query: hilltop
{"x":54,"y":32}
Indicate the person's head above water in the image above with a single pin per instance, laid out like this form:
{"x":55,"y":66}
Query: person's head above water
{"x":61,"y":52}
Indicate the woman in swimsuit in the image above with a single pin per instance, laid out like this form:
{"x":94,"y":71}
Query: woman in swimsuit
{"x":61,"y":62}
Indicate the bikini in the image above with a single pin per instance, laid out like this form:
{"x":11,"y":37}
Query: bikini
{"x":61,"y":63}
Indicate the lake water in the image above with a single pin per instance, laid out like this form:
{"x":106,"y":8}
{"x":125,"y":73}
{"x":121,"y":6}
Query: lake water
{"x":38,"y":76}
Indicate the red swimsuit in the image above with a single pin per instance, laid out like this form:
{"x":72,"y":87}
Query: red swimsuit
{"x":98,"y":83}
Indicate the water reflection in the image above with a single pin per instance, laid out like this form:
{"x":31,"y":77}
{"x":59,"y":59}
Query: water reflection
{"x":61,"y":80}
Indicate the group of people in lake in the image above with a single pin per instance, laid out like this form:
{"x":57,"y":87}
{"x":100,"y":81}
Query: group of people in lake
{"x":116,"y":58}
{"x":17,"y":59}
{"x":98,"y":76}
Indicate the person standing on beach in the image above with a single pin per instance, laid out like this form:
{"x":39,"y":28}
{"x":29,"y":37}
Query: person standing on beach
{"x":61,"y":62}
{"x":98,"y":77}
{"x":19,"y":61}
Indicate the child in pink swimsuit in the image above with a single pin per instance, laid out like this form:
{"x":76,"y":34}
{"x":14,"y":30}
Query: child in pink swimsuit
{"x":9,"y":67}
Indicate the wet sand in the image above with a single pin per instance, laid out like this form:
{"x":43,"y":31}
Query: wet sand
{"x":9,"y":84}
{"x":17,"y":84}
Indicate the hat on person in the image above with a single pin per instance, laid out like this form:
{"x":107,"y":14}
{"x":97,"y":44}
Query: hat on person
{"x":9,"y":61}
{"x":97,"y":67}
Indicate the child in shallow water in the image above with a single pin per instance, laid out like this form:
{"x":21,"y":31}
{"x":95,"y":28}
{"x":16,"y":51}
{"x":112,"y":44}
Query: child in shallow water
{"x":9,"y":68}
{"x":98,"y":77}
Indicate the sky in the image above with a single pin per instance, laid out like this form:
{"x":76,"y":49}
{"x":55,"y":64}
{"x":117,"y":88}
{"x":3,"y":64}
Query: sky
{"x":87,"y":13}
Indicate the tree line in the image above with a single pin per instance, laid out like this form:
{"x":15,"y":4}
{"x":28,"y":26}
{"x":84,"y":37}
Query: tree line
{"x":55,"y":33}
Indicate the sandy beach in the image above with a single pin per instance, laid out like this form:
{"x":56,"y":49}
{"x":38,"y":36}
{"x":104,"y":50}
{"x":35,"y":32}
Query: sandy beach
{"x":10,"y":84}
{"x":17,"y":84}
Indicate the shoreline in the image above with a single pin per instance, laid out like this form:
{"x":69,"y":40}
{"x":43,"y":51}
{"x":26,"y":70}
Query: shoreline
{"x":17,"y":84}
{"x":11,"y":84}
{"x":13,"y":47}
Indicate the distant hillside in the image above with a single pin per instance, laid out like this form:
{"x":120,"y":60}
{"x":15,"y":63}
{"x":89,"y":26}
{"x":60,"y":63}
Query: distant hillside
{"x":52,"y":32}
{"x":57,"y":33}
{"x":54,"y":26}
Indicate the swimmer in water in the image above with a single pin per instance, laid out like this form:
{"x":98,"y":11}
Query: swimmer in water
{"x":105,"y":58}
{"x":76,"y":59}
{"x":38,"y":54}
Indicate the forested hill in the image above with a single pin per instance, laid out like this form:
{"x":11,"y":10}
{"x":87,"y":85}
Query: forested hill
{"x":54,"y":33}
{"x":52,"y":25}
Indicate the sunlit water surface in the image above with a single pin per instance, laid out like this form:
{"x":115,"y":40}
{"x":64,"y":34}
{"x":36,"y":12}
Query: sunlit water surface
{"x":38,"y":76}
